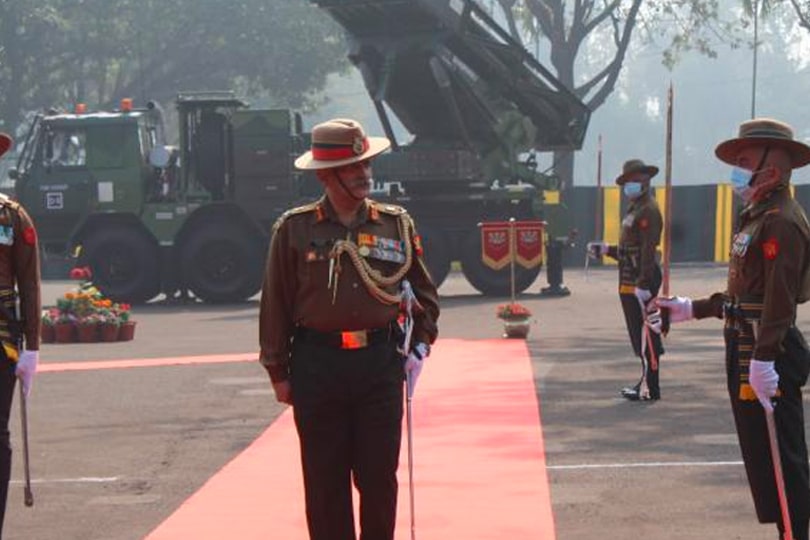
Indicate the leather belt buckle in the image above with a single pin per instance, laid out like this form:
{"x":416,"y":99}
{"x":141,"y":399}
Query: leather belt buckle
{"x":357,"y":339}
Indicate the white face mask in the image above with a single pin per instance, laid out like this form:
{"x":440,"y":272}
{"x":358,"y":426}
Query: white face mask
{"x":633,"y":189}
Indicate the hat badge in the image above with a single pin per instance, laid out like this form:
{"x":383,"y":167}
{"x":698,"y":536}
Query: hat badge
{"x":358,"y":146}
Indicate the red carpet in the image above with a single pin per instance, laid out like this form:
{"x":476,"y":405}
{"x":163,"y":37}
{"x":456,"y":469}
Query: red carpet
{"x":478,"y":452}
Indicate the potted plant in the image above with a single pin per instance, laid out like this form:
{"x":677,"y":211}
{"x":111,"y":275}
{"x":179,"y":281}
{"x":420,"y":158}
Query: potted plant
{"x":48,"y":321}
{"x":516,"y":319}
{"x":87,"y":328}
{"x":126,"y":331}
{"x":110,"y":325}
{"x":64,"y":328}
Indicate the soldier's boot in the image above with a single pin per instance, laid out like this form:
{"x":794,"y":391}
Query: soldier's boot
{"x":628,"y":391}
{"x":639,"y":395}
{"x":643,"y":392}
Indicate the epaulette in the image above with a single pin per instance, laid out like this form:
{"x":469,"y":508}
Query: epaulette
{"x":311,"y":207}
{"x":391,"y":209}
{"x":773,"y":211}
{"x":8,"y":202}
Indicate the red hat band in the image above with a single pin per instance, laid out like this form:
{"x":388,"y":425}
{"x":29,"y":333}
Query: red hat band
{"x":335,"y":152}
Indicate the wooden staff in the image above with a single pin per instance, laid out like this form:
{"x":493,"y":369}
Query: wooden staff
{"x":668,"y":192}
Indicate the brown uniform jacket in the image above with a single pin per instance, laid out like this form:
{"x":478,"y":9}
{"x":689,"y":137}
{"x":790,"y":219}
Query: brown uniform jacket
{"x":640,"y":236}
{"x":19,"y":268}
{"x":296,"y":293}
{"x":769,"y":270}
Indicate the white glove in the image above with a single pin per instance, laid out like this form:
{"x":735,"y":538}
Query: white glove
{"x":653,"y":320}
{"x":764,"y":380}
{"x":26,"y":369}
{"x":643,"y":295}
{"x":597,"y":249}
{"x":680,"y":308}
{"x":413,"y":365}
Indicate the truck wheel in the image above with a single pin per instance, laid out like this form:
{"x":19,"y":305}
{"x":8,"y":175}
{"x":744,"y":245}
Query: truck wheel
{"x":124,"y":262}
{"x":222,"y":263}
{"x":437,"y":254}
{"x":488,"y":281}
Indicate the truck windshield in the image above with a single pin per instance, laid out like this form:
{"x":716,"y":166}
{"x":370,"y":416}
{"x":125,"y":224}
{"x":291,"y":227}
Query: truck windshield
{"x":66,"y":148}
{"x":94,"y":147}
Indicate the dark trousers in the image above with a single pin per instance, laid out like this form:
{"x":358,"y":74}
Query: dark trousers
{"x":7,"y":382}
{"x":752,"y":432}
{"x":348,"y":412}
{"x":634,"y":319}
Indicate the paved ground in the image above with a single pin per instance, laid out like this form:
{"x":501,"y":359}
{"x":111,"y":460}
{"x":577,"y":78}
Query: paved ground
{"x":114,"y":452}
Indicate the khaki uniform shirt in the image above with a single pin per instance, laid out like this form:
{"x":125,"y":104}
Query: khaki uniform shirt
{"x":640,"y":236}
{"x":769,"y":270}
{"x":296,"y":282}
{"x":19,"y":268}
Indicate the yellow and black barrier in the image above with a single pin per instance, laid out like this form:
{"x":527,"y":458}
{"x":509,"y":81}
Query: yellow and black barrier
{"x":703,"y":218}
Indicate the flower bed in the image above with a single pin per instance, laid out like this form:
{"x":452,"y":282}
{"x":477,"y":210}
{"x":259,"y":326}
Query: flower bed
{"x":83,"y":314}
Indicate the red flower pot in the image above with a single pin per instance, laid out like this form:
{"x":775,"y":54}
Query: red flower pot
{"x":64,"y":332}
{"x":109,"y":332}
{"x":87,"y":333}
{"x":127,"y":331}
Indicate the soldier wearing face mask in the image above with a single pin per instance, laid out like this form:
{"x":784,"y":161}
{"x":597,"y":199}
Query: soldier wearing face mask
{"x":767,"y":360}
{"x":639,"y":274}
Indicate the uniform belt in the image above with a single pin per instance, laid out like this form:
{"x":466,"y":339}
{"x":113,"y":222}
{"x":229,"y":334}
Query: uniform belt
{"x":345,"y":339}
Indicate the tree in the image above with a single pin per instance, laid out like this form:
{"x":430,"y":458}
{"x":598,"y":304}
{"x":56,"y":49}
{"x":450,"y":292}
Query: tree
{"x":59,"y":52}
{"x":587,"y":42}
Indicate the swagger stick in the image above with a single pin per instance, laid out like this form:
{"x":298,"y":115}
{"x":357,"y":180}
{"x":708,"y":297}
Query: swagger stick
{"x":776,"y":458}
{"x":409,"y":426}
{"x":29,"y":495}
{"x":409,"y":299}
{"x":643,"y":387}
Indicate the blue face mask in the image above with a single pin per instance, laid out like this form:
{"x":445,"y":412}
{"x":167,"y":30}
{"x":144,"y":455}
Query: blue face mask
{"x":633,"y":189}
{"x":740,"y":180}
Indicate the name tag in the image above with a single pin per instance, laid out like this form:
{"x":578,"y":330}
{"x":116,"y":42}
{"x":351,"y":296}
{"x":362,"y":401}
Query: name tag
{"x":6,"y":235}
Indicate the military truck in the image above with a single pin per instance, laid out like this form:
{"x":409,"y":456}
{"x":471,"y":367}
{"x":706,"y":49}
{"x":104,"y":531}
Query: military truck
{"x":479,"y":108}
{"x":150,"y":217}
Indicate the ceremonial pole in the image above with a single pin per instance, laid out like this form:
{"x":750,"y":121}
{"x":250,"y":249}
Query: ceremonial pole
{"x":668,"y":195}
{"x":512,"y":255}
{"x":598,"y":228}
